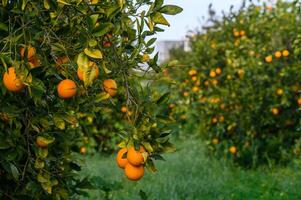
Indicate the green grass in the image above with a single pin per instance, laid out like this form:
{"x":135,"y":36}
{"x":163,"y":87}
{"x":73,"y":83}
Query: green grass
{"x":190,"y":174}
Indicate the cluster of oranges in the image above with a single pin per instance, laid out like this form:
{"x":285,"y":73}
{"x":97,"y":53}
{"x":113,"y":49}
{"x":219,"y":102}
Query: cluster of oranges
{"x":66,"y":88}
{"x":277,"y":54}
{"x":132,"y":162}
{"x":238,"y":33}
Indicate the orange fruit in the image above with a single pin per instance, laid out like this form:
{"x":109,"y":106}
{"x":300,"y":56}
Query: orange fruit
{"x":107,"y":44}
{"x":278,"y":54}
{"x":11,"y":82}
{"x":233,"y":149}
{"x":80,"y":73}
{"x":240,"y":73}
{"x":299,"y":101}
{"x":83,"y":150}
{"x":275,"y":111}
{"x":185,"y":94}
{"x":134,"y":173}
{"x":242,"y":33}
{"x":31,"y":51}
{"x":214,"y":82}
{"x":269,"y":59}
{"x":221,"y":118}
{"x":206,"y":83}
{"x":279,"y":91}
{"x":34,"y":62}
{"x":40,"y":142}
{"x":236,"y":33}
{"x":194,"y":78}
{"x":195,"y":89}
{"x":135,"y":157}
{"x":212,"y":74}
{"x":66,"y":89}
{"x":171,"y":106}
{"x":124,"y":109}
{"x":121,"y":162}
{"x":214,"y":120}
{"x":110,"y":86}
{"x":285,"y":53}
{"x":192,"y":72}
{"x":218,"y":70}
{"x":215,"y":141}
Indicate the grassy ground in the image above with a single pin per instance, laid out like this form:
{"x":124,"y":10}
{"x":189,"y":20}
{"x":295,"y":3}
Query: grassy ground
{"x":191,"y":174}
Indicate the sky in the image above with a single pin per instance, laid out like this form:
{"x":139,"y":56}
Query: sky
{"x":191,"y":17}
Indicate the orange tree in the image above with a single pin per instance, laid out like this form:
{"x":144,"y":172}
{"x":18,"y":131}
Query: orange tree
{"x":63,"y":61}
{"x":241,"y":84}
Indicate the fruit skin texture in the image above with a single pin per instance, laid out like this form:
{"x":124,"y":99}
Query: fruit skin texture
{"x":135,"y":157}
{"x":80,"y":74}
{"x":11,"y":82}
{"x":121,"y":162}
{"x":41,"y":143}
{"x":134,"y":173}
{"x":66,"y":89}
{"x":110,"y":86}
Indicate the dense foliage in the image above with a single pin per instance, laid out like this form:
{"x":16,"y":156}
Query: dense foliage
{"x":240,"y":84}
{"x":68,"y":66}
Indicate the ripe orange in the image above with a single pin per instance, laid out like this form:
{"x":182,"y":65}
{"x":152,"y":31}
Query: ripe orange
{"x":218,"y":70}
{"x":107,"y":44}
{"x":171,"y":106}
{"x":40,"y":142}
{"x":135,"y":157}
{"x":195,"y":89}
{"x":242,"y":33}
{"x":192,"y":72}
{"x":212,"y":74}
{"x":236,"y":33}
{"x":233,"y":149}
{"x":121,"y":162}
{"x":194,"y":78}
{"x":299,"y":101}
{"x":80,"y":73}
{"x":110,"y":86}
{"x":285,"y":53}
{"x":279,"y":91}
{"x":134,"y":173}
{"x":221,"y":118}
{"x":34,"y":62}
{"x":206,"y":83}
{"x":214,"y":82}
{"x":185,"y":94}
{"x":66,"y":89}
{"x":11,"y":82}
{"x":269,"y":59}
{"x":275,"y":111}
{"x":83,"y":150}
{"x":124,"y":109}
{"x":31,"y":51}
{"x":215,"y":141}
{"x":278,"y":54}
{"x":214,"y":120}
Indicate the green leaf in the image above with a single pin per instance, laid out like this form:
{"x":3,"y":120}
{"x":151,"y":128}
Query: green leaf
{"x":158,"y":18}
{"x":82,"y":60}
{"x":171,"y":9}
{"x":93,"y":53}
{"x":102,"y":29}
{"x":3,"y":27}
{"x":151,"y":42}
{"x":14,"y":171}
{"x":164,"y":98}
